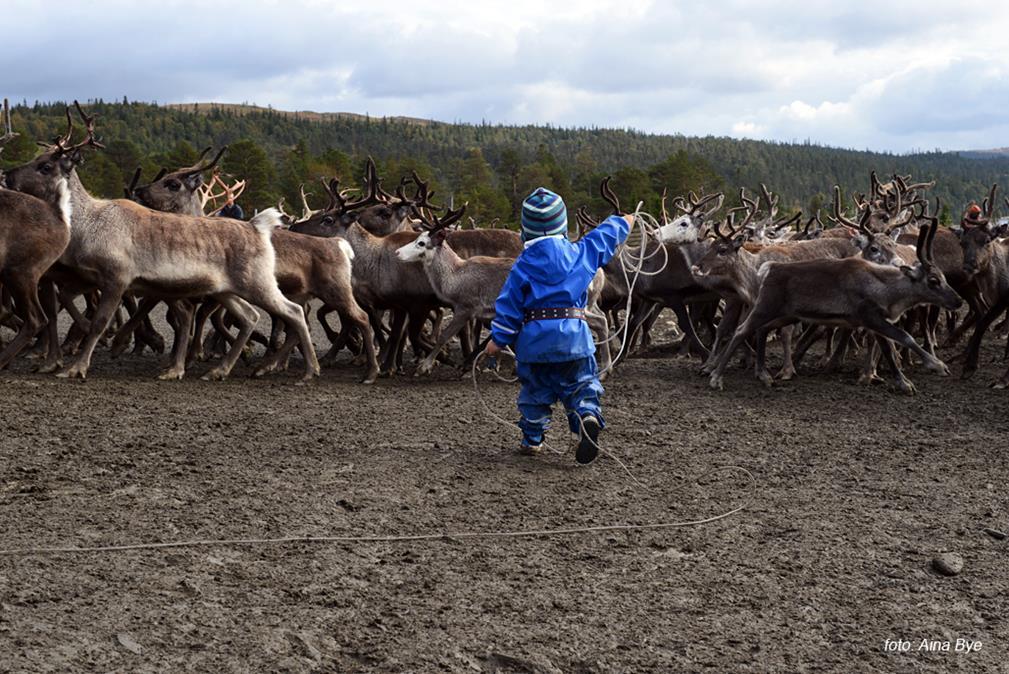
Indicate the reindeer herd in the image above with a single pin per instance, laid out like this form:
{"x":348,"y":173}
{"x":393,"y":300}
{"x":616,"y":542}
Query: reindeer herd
{"x":390,"y":267}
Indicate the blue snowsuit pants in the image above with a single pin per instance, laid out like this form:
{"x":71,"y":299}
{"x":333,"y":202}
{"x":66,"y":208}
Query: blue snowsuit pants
{"x":575,"y":383}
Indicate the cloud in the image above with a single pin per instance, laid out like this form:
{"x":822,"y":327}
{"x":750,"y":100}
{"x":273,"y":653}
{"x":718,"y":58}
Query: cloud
{"x":855,"y":74}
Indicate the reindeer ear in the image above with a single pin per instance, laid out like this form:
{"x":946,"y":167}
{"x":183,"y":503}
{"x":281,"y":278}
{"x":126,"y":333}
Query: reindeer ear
{"x":860,"y":241}
{"x":913,"y":273}
{"x":738,"y":242}
{"x":194,"y":181}
{"x":67,"y":162}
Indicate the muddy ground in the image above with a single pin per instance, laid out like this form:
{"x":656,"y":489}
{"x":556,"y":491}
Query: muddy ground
{"x":857,"y":489}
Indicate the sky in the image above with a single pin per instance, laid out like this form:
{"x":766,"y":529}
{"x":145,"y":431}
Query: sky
{"x":896,"y":76}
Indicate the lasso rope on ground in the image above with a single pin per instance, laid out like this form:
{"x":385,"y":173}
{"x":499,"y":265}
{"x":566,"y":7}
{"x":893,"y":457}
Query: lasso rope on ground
{"x":445,"y":536}
{"x":637,"y":266}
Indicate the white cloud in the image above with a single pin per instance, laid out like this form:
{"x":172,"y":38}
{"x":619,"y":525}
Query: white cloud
{"x":746,"y":129}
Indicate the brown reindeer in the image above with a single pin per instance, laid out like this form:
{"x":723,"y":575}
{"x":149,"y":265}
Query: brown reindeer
{"x":852,"y":293}
{"x":120,"y":245}
{"x":307,"y":267}
{"x":33,"y":235}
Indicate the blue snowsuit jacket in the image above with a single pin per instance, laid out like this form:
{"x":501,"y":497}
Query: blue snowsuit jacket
{"x":552,"y":272}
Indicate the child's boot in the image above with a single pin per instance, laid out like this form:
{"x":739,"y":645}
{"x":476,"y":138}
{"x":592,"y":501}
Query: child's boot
{"x":588,"y":440}
{"x":530,"y":446}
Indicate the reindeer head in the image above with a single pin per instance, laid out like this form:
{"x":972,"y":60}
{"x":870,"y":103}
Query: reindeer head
{"x":178,"y":191}
{"x":689,"y":226}
{"x":46,"y":176}
{"x":337,"y":217}
{"x":722,"y":259}
{"x":927,"y":279}
{"x":392,"y":211}
{"x":423,"y":248}
{"x":875,"y":246}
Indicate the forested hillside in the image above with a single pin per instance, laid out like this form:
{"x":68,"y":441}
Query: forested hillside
{"x":490,"y":166}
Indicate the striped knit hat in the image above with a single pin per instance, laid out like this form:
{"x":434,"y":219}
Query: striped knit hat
{"x":543,"y":214}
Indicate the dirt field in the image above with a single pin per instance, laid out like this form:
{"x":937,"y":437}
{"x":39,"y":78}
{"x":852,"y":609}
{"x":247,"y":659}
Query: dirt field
{"x":857,"y":490}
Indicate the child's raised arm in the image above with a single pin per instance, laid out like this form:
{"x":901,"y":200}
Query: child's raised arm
{"x":602,"y":242}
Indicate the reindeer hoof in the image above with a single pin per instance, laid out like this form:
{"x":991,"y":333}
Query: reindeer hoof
{"x":786,"y":374}
{"x":73,"y":372}
{"x":49,"y":367}
{"x":172,"y":375}
{"x":716,"y":382}
{"x":1000,"y":385}
{"x":905,"y":386}
{"x":217,"y":374}
{"x":939,"y":367}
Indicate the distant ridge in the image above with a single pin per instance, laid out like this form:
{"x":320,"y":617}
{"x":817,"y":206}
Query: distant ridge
{"x":987,"y":154}
{"x":803,"y":174}
{"x":245,"y":109}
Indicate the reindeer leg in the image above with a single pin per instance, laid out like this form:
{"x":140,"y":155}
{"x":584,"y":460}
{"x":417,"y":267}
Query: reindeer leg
{"x":458,"y":322}
{"x":683,"y":318}
{"x":726,"y":327}
{"x":787,"y":371}
{"x":184,"y":312}
{"x":880,"y":325}
{"x":900,"y":381}
{"x":246,"y":316}
{"x":111,"y":295}
{"x":24,"y":292}
{"x":50,"y":304}
{"x":974,"y":347}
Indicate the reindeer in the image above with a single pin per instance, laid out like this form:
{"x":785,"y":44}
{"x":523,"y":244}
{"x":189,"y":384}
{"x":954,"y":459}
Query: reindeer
{"x":33,"y":236}
{"x":731,"y":267}
{"x":986,"y":259}
{"x":383,"y":282}
{"x":849,"y":292}
{"x":119,"y":246}
{"x":306,"y":267}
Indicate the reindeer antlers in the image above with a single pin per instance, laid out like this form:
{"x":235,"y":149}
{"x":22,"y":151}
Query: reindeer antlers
{"x":434,"y":223}
{"x":9,"y":134}
{"x":839,"y":216}
{"x":62,"y":143}
{"x":132,"y":187}
{"x":198,"y":168}
{"x":607,"y":193}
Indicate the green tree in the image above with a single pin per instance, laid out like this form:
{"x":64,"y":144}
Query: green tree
{"x":246,"y":160}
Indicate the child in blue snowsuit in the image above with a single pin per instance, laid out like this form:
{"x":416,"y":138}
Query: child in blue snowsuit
{"x":540,"y":313}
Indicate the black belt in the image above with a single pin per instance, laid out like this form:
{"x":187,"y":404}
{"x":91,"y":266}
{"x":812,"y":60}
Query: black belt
{"x":554,"y":313}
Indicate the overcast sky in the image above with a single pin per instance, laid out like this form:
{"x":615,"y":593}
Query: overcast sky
{"x":891,"y":75}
